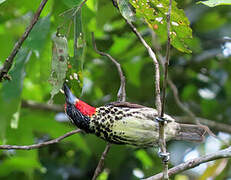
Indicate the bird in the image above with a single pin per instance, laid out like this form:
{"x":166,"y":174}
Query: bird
{"x":127,"y":123}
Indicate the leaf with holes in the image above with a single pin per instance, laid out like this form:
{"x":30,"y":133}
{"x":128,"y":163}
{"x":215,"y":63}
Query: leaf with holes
{"x":155,"y":14}
{"x":59,"y":63}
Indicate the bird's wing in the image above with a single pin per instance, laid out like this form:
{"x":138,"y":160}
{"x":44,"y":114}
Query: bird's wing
{"x":126,"y":104}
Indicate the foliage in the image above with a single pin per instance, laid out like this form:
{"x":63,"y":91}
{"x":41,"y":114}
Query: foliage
{"x":202,"y":78}
{"x":212,"y":3}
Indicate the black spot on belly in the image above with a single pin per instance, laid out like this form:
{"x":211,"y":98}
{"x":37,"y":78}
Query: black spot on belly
{"x":97,"y":133}
{"x":108,"y":129}
{"x":117,"y":118}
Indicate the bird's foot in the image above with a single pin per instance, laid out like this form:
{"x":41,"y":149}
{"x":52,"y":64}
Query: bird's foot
{"x":164,"y":156}
{"x":161,"y":120}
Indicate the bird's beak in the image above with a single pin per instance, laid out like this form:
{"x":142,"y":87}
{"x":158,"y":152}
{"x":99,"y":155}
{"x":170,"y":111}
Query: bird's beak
{"x":70,"y":98}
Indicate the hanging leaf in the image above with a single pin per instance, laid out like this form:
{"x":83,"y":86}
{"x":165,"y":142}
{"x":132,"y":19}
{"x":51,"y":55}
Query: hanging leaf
{"x":59,"y":63}
{"x":154,"y":12}
{"x":126,"y":10}
{"x":213,"y":3}
{"x":75,"y":64}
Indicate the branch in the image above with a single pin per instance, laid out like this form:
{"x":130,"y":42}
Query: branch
{"x":210,"y":123}
{"x":9,"y":61}
{"x":42,"y":106}
{"x":162,"y":141}
{"x":39,"y":145}
{"x":166,"y":59}
{"x":225,"y":153}
{"x":121,"y":96}
{"x":99,"y":167}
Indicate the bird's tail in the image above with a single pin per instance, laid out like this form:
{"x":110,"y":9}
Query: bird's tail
{"x":189,"y":132}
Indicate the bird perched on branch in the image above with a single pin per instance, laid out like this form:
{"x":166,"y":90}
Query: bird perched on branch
{"x":127,"y":123}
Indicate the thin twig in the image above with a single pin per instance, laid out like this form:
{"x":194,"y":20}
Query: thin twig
{"x":42,"y":106}
{"x":121,"y":96}
{"x":9,"y":61}
{"x":210,"y":123}
{"x":72,"y":17}
{"x":225,"y":153}
{"x":166,"y":59}
{"x":99,"y":167}
{"x":78,"y":8}
{"x":39,"y":145}
{"x":162,"y":141}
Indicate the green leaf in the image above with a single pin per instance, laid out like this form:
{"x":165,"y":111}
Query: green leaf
{"x":71,"y":3}
{"x":2,"y":1}
{"x":133,"y":69}
{"x":75,"y":63}
{"x":10,"y":94}
{"x":213,"y":3}
{"x":154,"y":12}
{"x":104,"y":175}
{"x":38,"y":35}
{"x":126,"y":10}
{"x":18,"y":164}
{"x":144,"y":158}
{"x":59,"y":63}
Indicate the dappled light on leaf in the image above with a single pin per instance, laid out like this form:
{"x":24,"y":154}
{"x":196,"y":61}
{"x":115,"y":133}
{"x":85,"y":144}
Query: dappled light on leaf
{"x":154,"y":12}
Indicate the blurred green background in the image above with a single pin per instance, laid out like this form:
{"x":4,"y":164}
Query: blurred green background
{"x":202,"y":78}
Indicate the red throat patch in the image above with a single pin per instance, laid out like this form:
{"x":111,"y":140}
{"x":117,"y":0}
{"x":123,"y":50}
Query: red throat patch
{"x":84,"y":108}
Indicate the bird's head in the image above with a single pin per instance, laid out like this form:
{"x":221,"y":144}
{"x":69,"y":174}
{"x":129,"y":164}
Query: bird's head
{"x":74,"y":102}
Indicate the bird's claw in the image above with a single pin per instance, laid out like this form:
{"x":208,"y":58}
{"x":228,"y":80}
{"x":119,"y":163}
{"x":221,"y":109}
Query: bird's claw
{"x":164,"y":156}
{"x":161,"y":119}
